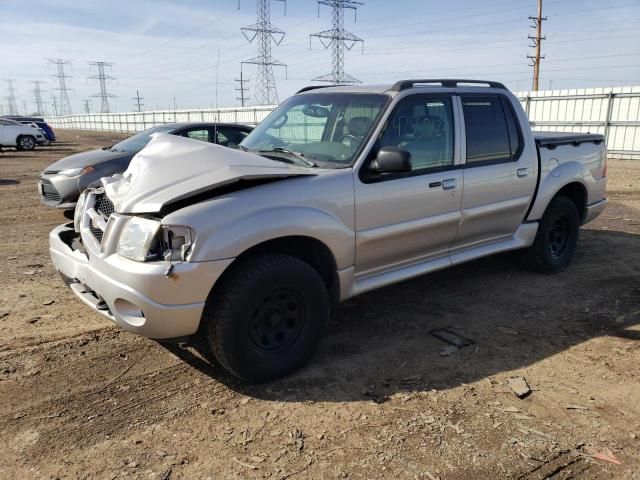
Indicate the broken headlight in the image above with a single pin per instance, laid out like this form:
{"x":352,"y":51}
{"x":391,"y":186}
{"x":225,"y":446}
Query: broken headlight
{"x":144,"y":239}
{"x":136,"y":238}
{"x":175,"y":242}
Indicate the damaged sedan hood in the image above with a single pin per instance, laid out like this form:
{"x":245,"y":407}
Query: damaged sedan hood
{"x":172,"y":168}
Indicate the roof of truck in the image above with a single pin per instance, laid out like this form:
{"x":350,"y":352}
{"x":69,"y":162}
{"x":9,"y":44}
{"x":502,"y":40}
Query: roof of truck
{"x":404,"y":85}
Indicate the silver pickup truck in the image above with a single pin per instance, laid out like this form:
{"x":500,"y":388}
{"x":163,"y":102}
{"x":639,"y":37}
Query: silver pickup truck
{"x":340,"y":191}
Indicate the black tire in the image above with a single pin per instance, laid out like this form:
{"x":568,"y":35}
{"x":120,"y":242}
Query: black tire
{"x":25,"y":142}
{"x":267,"y":317}
{"x":556,"y":239}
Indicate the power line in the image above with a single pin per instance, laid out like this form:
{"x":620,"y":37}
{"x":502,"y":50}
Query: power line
{"x":266,"y":92}
{"x":241,"y":88}
{"x":102,"y":78}
{"x":137,"y":98}
{"x":537,"y":44}
{"x":65,"y":104}
{"x":11,"y":97}
{"x":37,"y":95}
{"x":338,"y":39}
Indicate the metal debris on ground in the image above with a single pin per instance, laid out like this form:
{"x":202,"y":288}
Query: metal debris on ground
{"x":451,"y":337}
{"x":519,"y":386}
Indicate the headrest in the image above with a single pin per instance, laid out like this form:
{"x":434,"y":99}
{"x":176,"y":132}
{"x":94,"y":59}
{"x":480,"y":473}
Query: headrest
{"x":359,"y":126}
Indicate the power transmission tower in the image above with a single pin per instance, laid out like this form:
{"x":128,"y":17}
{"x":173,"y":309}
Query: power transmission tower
{"x":242,"y":89}
{"x":102,"y":78}
{"x":65,"y":104}
{"x":537,"y":44}
{"x":137,"y":98}
{"x":12,"y":106}
{"x":265,"y":90}
{"x":338,"y":39}
{"x":54,"y":104}
{"x":87,"y":105}
{"x":37,"y":94}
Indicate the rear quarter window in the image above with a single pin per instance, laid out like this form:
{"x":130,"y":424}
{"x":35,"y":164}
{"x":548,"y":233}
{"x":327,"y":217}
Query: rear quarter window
{"x":491,"y":130}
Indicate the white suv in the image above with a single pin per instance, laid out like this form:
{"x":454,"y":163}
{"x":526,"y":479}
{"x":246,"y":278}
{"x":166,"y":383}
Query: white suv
{"x":14,"y":134}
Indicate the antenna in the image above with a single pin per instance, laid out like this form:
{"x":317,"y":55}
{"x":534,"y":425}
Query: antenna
{"x":102,"y":81}
{"x":37,"y":95}
{"x":137,"y":98}
{"x":242,"y":89}
{"x":11,"y":97}
{"x":65,"y":104}
{"x":537,"y":44}
{"x":338,"y":39}
{"x":265,"y":89}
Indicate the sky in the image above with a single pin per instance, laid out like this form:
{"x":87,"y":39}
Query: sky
{"x":170,"y":50}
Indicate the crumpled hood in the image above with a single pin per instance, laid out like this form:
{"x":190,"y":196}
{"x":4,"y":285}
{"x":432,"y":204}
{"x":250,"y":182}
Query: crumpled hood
{"x":172,"y":168}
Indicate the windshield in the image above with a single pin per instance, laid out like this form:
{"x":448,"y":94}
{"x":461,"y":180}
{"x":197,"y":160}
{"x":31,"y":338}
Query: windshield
{"x":140,"y":140}
{"x":322,"y":127}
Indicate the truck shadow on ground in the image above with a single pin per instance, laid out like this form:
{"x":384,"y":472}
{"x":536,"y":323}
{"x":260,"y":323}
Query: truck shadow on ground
{"x":379,"y":344}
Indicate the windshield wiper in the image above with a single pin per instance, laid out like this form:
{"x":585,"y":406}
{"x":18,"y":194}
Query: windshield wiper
{"x":299,"y":156}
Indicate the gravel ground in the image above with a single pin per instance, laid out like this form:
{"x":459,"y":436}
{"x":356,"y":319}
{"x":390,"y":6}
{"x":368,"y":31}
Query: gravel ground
{"x":382,"y":398}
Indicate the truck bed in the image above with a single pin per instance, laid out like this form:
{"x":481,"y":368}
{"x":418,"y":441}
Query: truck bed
{"x":554,"y":139}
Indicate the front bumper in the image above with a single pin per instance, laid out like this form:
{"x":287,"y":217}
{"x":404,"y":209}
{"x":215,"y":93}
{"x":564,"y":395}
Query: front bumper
{"x":133,"y":294}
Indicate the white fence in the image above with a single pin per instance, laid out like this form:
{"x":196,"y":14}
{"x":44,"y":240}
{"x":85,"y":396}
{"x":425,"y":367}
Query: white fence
{"x":613,"y":112}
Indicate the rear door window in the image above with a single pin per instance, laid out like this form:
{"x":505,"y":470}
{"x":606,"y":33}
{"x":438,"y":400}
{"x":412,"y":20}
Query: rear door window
{"x":488,"y":130}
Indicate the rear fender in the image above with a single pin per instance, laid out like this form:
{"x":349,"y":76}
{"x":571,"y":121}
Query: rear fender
{"x":554,"y":178}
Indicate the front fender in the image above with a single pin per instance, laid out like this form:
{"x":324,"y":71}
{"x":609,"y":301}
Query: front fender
{"x":554,"y":179}
{"x":232,"y":239}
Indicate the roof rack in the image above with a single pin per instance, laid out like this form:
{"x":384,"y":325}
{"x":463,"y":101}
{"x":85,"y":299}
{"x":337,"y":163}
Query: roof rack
{"x":315,"y":87}
{"x":448,"y":83}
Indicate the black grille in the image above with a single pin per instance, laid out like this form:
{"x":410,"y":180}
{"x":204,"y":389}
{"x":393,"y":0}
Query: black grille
{"x":104,"y":206}
{"x":49,"y":192}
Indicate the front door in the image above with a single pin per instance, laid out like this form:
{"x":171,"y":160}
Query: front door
{"x":407,"y":218}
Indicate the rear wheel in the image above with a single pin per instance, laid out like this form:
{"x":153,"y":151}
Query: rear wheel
{"x":25,"y":142}
{"x":556,"y":239}
{"x":267,"y":317}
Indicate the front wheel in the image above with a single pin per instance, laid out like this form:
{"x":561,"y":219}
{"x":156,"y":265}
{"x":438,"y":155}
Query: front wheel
{"x":26,"y":142}
{"x":267,"y":317}
{"x":556,"y":239}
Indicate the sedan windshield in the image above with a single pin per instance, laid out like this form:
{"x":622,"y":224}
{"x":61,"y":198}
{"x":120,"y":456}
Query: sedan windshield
{"x":320,"y":127}
{"x":140,"y":140}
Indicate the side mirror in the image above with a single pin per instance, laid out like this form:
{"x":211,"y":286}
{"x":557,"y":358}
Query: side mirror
{"x":391,"y":160}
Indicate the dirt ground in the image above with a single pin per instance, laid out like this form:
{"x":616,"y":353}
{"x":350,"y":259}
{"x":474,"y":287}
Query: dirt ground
{"x":79,"y":398}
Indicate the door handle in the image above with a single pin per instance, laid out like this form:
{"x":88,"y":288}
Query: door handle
{"x":523,"y":172}
{"x":449,"y":184}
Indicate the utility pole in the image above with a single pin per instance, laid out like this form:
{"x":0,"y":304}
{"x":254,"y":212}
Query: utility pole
{"x":537,"y":44}
{"x":265,"y":89}
{"x":137,"y":98}
{"x":87,"y":106}
{"x":338,"y":39}
{"x":65,"y":104}
{"x":37,"y":94}
{"x":102,"y":78}
{"x":242,"y":89}
{"x":12,"y":106}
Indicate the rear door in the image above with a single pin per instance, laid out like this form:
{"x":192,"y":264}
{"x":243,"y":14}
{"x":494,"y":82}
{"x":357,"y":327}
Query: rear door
{"x":499,"y":173}
{"x":8,"y":133}
{"x":411,"y":217}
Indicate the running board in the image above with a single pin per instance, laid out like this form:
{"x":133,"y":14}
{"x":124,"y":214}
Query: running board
{"x":523,"y":237}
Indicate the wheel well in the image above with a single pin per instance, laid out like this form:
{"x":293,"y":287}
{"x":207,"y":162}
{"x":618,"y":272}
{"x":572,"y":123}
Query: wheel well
{"x":577,"y":194}
{"x":307,"y":249}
